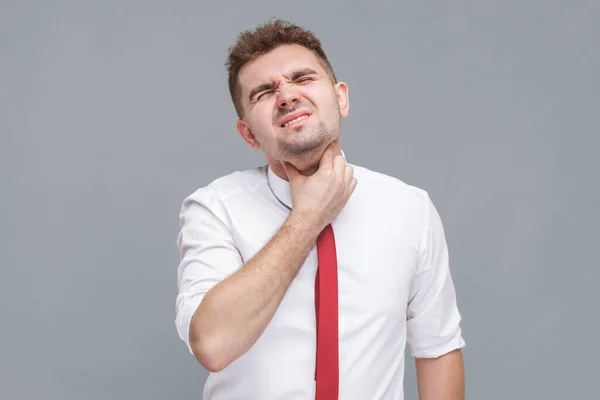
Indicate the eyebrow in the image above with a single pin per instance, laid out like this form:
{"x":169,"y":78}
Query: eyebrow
{"x":260,"y":88}
{"x":271,"y":85}
{"x":302,"y":72}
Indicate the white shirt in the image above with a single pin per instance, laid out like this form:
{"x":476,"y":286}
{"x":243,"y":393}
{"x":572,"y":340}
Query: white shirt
{"x":394,"y":284}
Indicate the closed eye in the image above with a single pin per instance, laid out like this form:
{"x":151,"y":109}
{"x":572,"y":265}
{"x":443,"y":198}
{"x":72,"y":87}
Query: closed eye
{"x":260,"y":96}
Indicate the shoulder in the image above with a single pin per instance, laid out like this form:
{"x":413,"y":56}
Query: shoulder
{"x":383,"y":186}
{"x":228,"y":187}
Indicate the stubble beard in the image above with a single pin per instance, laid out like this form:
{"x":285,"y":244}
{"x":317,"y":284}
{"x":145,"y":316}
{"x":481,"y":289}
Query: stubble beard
{"x":307,"y":145}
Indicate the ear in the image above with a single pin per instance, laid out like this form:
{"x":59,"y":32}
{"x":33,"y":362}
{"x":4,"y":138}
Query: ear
{"x":343,"y":101}
{"x":246,"y":133}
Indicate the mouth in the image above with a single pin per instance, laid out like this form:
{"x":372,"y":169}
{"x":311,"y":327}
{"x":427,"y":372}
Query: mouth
{"x":295,"y":120}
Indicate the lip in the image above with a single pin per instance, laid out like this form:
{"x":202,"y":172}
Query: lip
{"x":292,"y":116}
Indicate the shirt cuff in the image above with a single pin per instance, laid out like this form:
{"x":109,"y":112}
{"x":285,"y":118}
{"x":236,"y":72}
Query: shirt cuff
{"x":455,"y":342}
{"x":184,"y":318}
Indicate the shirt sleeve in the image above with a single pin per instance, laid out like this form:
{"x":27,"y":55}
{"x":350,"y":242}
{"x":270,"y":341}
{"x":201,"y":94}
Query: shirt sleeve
{"x":208,"y":254}
{"x":433,"y":319}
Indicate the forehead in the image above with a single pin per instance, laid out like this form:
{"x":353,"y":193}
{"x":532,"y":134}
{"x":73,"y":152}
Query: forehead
{"x":273,"y":65}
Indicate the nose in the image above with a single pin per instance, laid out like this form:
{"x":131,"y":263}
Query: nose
{"x":288,"y":97}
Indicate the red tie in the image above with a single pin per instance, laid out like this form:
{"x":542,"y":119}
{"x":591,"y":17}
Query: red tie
{"x":326,"y":308}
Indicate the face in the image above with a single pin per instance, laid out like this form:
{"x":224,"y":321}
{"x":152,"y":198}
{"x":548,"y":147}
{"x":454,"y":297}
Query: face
{"x":292,"y":108}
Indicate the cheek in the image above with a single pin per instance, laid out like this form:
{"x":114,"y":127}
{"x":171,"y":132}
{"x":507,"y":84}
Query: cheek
{"x":324,"y":99}
{"x":259,"y":115}
{"x":261,"y":124}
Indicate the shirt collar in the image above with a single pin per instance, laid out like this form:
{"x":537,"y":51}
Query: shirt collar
{"x":281,"y":188}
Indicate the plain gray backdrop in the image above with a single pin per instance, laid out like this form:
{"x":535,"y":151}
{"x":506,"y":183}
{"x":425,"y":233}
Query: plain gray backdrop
{"x":112,"y":112}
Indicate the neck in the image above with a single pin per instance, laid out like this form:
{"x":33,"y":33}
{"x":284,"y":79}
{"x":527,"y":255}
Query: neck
{"x":306,"y":165}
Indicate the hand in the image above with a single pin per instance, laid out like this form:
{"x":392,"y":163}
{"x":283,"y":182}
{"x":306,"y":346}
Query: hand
{"x":322,"y":196}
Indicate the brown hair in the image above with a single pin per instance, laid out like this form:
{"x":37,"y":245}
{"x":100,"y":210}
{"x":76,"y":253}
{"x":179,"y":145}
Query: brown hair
{"x":265,"y":38}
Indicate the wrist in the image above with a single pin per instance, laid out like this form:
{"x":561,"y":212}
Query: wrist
{"x":305,"y":224}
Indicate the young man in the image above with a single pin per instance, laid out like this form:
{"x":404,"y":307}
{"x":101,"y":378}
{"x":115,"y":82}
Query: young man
{"x":306,"y":278}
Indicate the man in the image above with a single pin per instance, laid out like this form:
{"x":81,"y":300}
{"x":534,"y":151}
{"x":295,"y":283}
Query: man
{"x":307,"y":277}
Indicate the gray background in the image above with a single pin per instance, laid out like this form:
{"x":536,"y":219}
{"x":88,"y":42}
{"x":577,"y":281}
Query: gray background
{"x":112,"y":112}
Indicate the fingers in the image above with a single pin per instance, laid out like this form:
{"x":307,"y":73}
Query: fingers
{"x":349,"y":174}
{"x":353,"y":184}
{"x":349,"y":179}
{"x":339,"y":165}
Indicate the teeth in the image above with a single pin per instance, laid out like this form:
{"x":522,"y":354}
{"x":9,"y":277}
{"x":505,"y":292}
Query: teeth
{"x":295,"y":120}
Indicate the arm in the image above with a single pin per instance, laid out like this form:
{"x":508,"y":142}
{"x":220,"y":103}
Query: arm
{"x":433,"y":325}
{"x":223,"y":305}
{"x":441,"y":378}
{"x":236,"y":311}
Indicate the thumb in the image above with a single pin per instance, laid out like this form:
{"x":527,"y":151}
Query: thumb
{"x":291,"y":171}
